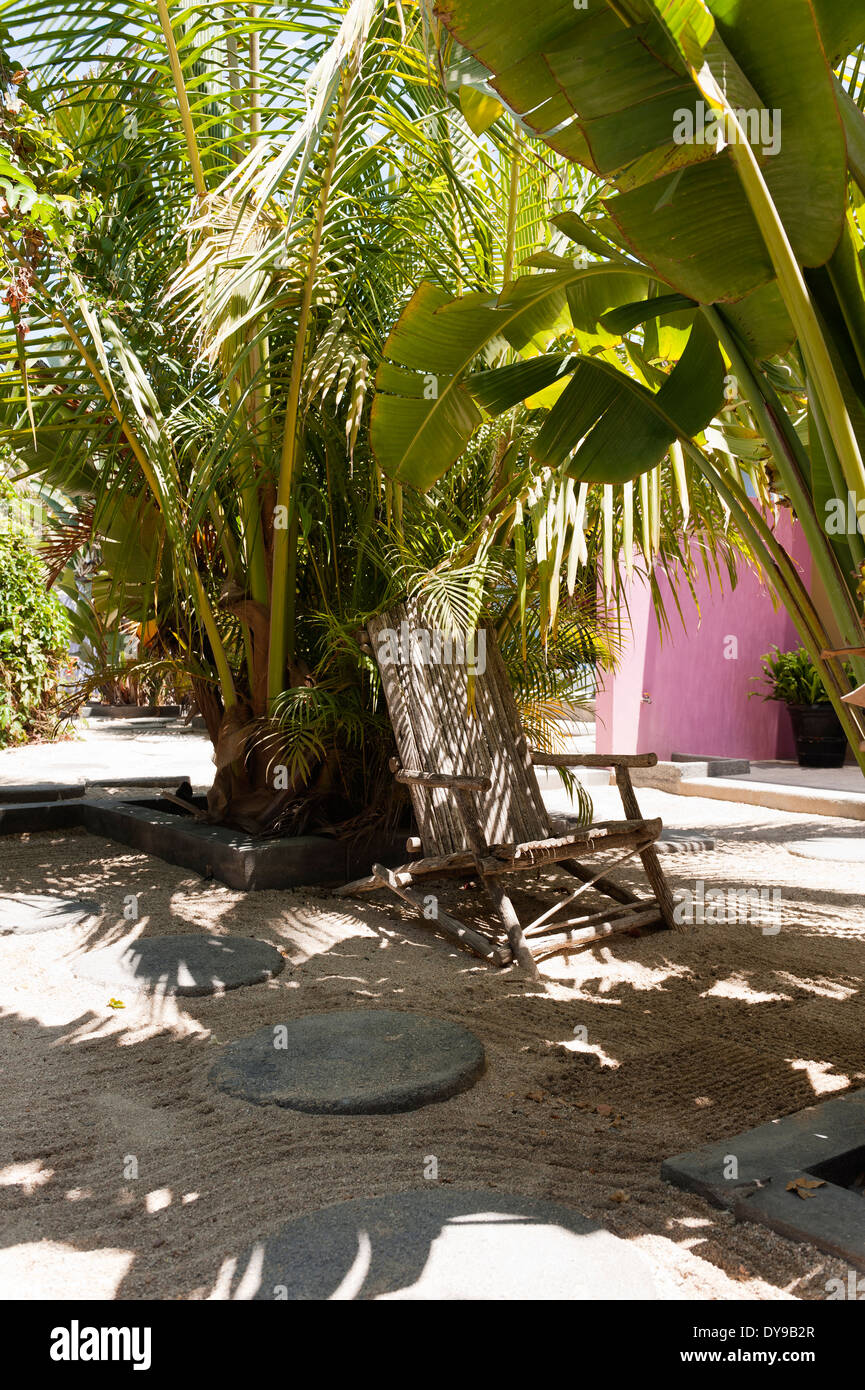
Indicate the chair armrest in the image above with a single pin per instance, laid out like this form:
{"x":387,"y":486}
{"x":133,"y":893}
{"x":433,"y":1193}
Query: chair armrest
{"x":438,"y":779}
{"x":593,"y":759}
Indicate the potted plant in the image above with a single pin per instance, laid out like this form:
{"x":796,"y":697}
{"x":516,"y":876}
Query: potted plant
{"x":792,"y":678}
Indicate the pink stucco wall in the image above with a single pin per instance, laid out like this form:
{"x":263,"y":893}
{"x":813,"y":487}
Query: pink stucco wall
{"x":698,"y":696}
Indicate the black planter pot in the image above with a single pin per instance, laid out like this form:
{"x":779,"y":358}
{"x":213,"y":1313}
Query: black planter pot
{"x":820,"y":740}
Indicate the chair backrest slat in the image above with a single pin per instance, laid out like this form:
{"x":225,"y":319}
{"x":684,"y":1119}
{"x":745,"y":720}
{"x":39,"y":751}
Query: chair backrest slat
{"x":436,"y":731}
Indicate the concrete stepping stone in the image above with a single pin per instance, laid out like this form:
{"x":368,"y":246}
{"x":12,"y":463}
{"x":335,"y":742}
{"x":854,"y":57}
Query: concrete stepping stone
{"x":22,"y":914}
{"x":443,"y":1245}
{"x":184,"y":965}
{"x":351,"y":1062}
{"x":833,"y":847}
{"x":683,"y":842}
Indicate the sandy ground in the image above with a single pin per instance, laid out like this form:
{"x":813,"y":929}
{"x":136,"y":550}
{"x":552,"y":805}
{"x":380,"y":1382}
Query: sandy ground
{"x":688,"y":1038}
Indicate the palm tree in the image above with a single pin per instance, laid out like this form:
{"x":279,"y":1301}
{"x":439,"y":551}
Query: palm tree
{"x":234,"y":201}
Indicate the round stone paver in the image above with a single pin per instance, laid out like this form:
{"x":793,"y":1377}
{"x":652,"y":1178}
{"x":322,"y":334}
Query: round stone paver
{"x":351,"y":1062}
{"x":832,"y":847}
{"x":24,"y":913}
{"x":683,"y":842}
{"x":187,"y":965}
{"x":443,"y":1245}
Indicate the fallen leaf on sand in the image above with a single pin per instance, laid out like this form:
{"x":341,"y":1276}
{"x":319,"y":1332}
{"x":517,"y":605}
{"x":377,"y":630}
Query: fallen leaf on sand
{"x":620,"y":1196}
{"x":536,"y":1096}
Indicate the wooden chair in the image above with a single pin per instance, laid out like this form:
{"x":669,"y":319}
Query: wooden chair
{"x":478,"y":806}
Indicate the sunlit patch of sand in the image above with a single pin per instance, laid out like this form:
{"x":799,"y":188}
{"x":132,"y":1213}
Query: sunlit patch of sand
{"x":736,"y":986}
{"x":818,"y":1075}
{"x":827,"y":989}
{"x":27,"y":1176}
{"x":47,"y":1269}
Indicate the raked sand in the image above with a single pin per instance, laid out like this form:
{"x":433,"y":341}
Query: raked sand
{"x":688,"y":1038}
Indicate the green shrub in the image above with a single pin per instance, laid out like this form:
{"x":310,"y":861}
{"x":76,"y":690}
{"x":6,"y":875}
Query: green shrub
{"x":34,"y":630}
{"x":792,"y":678}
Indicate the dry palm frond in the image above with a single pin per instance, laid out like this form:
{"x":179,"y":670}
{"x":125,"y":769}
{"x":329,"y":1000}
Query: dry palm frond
{"x":64,"y":539}
{"x":226,"y":278}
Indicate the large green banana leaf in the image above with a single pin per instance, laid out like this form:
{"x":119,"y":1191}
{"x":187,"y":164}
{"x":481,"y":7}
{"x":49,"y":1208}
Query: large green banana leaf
{"x":425,"y":409}
{"x":607,"y":85}
{"x":626,"y":429}
{"x":423,"y":415}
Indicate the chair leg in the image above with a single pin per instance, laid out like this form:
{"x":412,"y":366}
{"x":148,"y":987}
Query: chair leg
{"x":500,"y":900}
{"x":651,"y":862}
{"x":657,"y":879}
{"x":442,"y":921}
{"x":516,"y":936}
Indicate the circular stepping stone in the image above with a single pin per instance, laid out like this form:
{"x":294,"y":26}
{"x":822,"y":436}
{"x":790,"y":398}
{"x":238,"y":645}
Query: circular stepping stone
{"x":187,"y":965}
{"x":832,"y":847}
{"x":682,"y":842}
{"x":351,"y":1062}
{"x":443,"y":1245}
{"x":24,"y":913}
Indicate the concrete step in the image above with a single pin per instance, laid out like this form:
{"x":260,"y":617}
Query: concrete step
{"x":690,"y":779}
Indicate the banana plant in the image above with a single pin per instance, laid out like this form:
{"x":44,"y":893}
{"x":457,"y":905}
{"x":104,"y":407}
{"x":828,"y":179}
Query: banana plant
{"x":716,"y":306}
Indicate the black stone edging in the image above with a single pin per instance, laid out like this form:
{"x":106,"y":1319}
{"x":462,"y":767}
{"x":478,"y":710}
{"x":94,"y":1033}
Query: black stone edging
{"x":214,"y":851}
{"x":40,"y":792}
{"x":131,"y":711}
{"x":33,"y":816}
{"x":774,"y":1154}
{"x":150,"y":780}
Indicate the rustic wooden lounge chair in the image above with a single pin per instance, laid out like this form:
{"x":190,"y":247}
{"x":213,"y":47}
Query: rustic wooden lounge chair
{"x":478,"y":806}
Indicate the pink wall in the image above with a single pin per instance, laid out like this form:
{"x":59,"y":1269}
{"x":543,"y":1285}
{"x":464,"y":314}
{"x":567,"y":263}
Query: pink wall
{"x":698,"y":696}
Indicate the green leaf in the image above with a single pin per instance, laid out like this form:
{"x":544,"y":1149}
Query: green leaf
{"x":696,"y":229}
{"x":762,"y":321}
{"x":8,"y":170}
{"x":626,"y":429}
{"x":422,"y":415}
{"x":480,"y":110}
{"x":503,"y":387}
{"x":628,"y":316}
{"x":689,"y":23}
{"x":777,"y":45}
{"x":606,"y":87}
{"x":579,"y":231}
{"x":841,"y":25}
{"x":591,"y":298}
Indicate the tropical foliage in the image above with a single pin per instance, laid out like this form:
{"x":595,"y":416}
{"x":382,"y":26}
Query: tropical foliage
{"x":212,"y":217}
{"x":792,"y":678}
{"x":34,"y":629}
{"x":711,"y":324}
